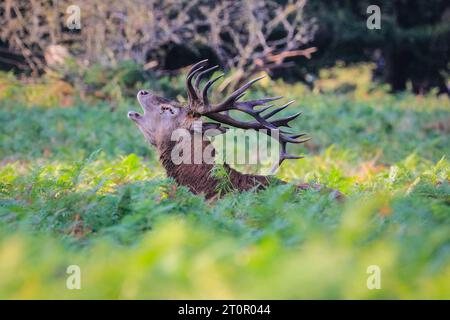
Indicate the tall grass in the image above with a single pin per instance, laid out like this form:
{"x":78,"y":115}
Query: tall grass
{"x":79,"y":186}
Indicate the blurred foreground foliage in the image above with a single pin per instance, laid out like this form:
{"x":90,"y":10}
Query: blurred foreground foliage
{"x":79,"y":186}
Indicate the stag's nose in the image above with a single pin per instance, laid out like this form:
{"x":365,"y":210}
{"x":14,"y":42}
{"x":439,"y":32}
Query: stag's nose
{"x":143,"y":93}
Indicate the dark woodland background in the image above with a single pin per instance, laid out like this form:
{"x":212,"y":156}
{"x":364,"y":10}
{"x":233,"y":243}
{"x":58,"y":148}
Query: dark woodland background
{"x":412,"y":44}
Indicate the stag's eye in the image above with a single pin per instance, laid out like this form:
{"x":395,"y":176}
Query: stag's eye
{"x":167,"y":108}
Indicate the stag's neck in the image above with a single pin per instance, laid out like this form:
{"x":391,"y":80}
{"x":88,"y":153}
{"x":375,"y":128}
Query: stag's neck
{"x":199,"y":177}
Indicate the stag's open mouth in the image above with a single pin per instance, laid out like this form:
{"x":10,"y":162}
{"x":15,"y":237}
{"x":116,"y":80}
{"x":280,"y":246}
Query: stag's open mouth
{"x":133,"y":115}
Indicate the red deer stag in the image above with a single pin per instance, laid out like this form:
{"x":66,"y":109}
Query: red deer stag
{"x":162,"y":116}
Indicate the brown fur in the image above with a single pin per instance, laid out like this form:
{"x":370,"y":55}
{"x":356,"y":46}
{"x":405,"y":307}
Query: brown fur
{"x":199,"y":179}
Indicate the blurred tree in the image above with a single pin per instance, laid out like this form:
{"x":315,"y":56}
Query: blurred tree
{"x":412,"y":44}
{"x":251,"y":35}
{"x":254,"y":35}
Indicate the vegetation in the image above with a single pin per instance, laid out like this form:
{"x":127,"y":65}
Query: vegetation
{"x":245,"y":36}
{"x":79,"y":186}
{"x":410,"y":47}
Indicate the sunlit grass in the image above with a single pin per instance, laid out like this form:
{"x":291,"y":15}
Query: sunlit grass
{"x":79,"y":186}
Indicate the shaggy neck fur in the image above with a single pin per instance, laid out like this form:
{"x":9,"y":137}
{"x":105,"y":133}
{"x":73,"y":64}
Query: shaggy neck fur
{"x":199,"y":178}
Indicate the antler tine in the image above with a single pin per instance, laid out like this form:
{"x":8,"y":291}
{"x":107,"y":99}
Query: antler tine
{"x":192,"y":94}
{"x":235,"y":123}
{"x":274,"y":112}
{"x":256,"y":125}
{"x":265,"y":108}
{"x":283,"y":156}
{"x":195,"y":66}
{"x":228,"y":102}
{"x":282,"y":137}
{"x":201,"y":75}
{"x":207,"y":86}
{"x":257,"y":102}
{"x":284,"y":122}
{"x":296,"y":136}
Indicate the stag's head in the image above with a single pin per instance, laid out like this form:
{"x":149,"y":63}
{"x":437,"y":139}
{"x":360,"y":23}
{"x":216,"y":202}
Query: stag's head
{"x":162,"y":116}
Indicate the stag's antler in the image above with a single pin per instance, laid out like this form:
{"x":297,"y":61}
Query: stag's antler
{"x":200,"y":105}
